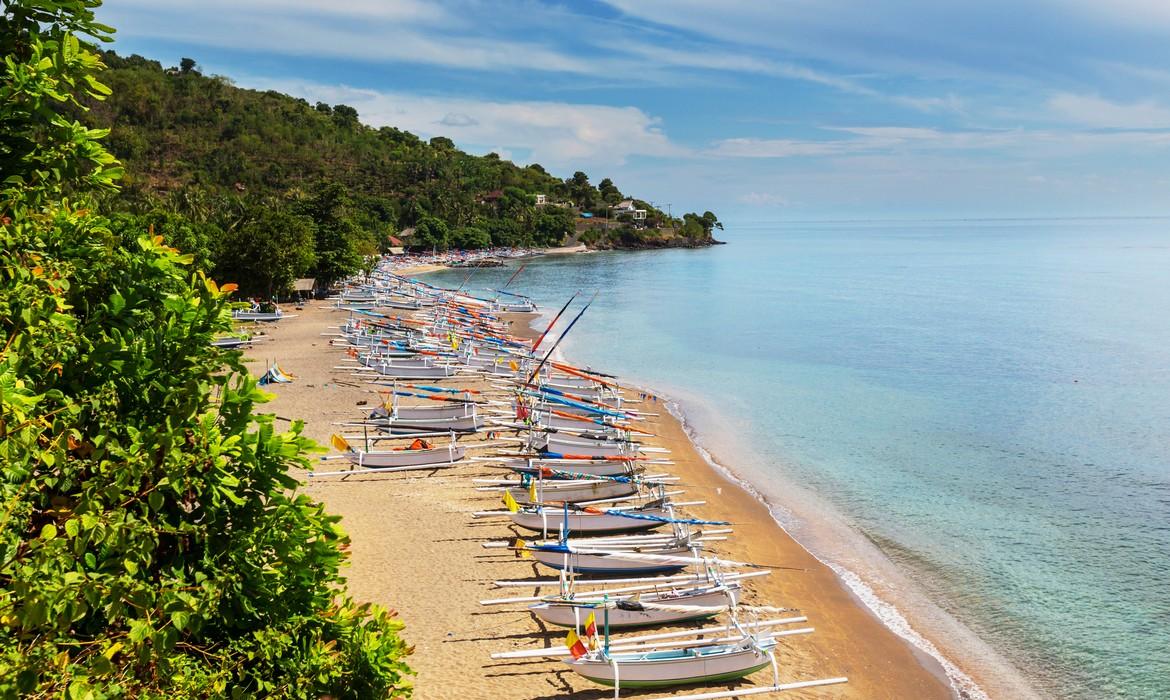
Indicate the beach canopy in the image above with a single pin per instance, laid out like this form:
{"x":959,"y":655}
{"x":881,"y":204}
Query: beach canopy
{"x":275,"y":375}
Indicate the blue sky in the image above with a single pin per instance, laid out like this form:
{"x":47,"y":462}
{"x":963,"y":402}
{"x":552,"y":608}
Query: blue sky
{"x":783,"y":110}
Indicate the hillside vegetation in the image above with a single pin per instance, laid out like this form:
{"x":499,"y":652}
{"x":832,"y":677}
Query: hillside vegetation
{"x":263,"y":187}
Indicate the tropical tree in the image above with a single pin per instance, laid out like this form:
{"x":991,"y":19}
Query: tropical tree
{"x":152,"y":540}
{"x":470,"y":238}
{"x":337,"y":235}
{"x":267,"y":254}
{"x":431,"y":233}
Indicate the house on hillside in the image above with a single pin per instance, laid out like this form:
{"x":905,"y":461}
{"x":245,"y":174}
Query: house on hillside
{"x":627,"y":206}
{"x":541,"y":200}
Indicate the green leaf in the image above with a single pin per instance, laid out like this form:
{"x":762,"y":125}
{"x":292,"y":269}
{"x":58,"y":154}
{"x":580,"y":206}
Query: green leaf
{"x":48,"y":532}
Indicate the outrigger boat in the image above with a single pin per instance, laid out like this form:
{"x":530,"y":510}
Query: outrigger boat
{"x":418,"y":455}
{"x":705,"y":656}
{"x":456,"y":417}
{"x":261,"y":316}
{"x":580,"y":445}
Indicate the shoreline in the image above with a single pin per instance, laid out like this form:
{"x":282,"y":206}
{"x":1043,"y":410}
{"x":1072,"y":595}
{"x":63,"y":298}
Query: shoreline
{"x":395,"y":565}
{"x":944,"y":643}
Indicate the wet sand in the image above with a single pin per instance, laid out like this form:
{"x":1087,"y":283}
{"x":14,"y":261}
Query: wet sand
{"x":416,"y":549}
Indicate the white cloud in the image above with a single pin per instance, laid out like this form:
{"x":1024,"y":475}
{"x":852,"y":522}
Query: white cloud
{"x":896,"y":141}
{"x":370,"y":31}
{"x":555,"y":133}
{"x":704,"y":57}
{"x":1093,"y":111}
{"x":763,"y":199}
{"x":777,"y":148}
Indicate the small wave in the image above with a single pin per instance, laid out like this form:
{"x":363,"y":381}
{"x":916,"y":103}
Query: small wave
{"x":963,"y":685}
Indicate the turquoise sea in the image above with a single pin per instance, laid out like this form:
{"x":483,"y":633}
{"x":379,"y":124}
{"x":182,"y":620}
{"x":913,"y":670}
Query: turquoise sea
{"x":970,"y":417}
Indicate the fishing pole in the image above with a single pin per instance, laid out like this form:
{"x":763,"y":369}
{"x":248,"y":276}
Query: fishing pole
{"x":554,"y":321}
{"x":562,"y":337}
{"x":474,"y":269}
{"x":517,"y":272}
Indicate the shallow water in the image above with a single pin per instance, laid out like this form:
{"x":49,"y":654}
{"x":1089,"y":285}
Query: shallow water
{"x":988,"y":402}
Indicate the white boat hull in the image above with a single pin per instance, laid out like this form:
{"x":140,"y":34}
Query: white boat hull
{"x":694,"y":665}
{"x":575,"y":491}
{"x":570,"y":614}
{"x":552,"y":442}
{"x":605,"y":564}
{"x":407,"y":458}
{"x":393,"y":369}
{"x":552,"y":519}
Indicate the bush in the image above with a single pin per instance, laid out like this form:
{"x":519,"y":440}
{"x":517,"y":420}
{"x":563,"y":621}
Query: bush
{"x":152,"y":541}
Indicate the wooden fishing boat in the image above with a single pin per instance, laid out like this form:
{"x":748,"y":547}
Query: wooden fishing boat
{"x":593,"y":521}
{"x":580,"y":445}
{"x":661,"y":607}
{"x":399,"y":370}
{"x":458,"y":417}
{"x":582,"y":467}
{"x":702,"y":663}
{"x":260,"y":316}
{"x":420,"y":454}
{"x":568,"y":557}
{"x":574,"y":490}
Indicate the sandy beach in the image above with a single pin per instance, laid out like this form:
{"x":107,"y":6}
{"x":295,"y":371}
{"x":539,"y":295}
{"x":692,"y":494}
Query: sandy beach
{"x":417,"y":550}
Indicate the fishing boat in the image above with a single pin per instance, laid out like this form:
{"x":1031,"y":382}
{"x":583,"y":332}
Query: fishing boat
{"x":692,"y":665}
{"x":574,"y":490}
{"x":420,"y":454}
{"x":585,"y":467}
{"x":397,"y":369}
{"x":672,"y":605}
{"x":581,"y":445}
{"x":541,"y":518}
{"x":261,"y":316}
{"x":663,"y":557}
{"x":457,"y":417}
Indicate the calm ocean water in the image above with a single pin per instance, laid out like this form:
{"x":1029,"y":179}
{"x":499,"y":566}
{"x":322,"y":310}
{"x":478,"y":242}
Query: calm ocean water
{"x":987,"y":402}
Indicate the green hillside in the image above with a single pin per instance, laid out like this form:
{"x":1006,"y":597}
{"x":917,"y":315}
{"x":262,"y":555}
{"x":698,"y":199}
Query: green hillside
{"x":242,"y":176}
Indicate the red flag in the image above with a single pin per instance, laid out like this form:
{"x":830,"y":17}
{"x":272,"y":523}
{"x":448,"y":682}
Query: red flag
{"x":576,"y":646}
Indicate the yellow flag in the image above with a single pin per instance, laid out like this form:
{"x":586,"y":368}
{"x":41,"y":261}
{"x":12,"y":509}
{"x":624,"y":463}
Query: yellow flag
{"x":510,"y":502}
{"x":532,"y":491}
{"x":523,"y":547}
{"x":340,"y":443}
{"x":514,"y":365}
{"x":591,"y":629}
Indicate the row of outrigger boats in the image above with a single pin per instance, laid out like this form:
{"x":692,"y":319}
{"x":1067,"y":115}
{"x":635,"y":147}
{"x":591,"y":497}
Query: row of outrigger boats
{"x":634,"y":576}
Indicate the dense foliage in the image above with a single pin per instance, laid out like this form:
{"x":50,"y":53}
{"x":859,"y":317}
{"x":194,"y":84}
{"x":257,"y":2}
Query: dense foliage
{"x":152,"y":541}
{"x":206,"y":160}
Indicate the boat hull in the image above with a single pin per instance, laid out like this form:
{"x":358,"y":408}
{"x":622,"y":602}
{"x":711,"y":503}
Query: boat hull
{"x":575,"y":491}
{"x":566,"y":614}
{"x":606,"y":565}
{"x":585,"y":523}
{"x":583,"y":446}
{"x":693,"y":666}
{"x":414,"y":371}
{"x":407,"y":458}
